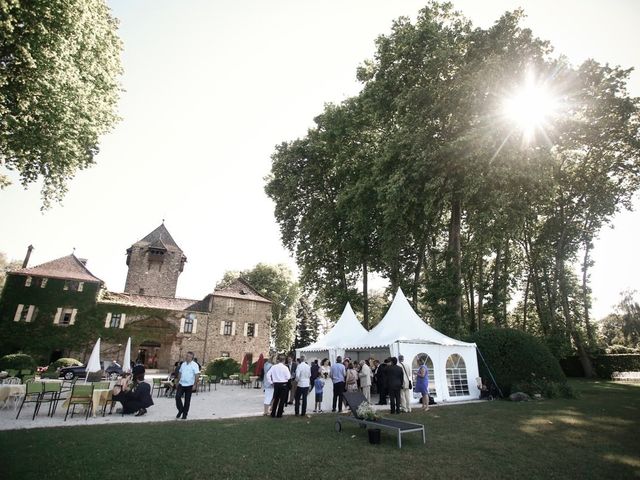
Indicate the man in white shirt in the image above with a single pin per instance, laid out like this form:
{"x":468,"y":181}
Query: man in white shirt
{"x":407,"y":386}
{"x":187,"y":381}
{"x":279,"y":375}
{"x":303,"y":375}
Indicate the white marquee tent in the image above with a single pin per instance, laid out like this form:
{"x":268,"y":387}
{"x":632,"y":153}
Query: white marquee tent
{"x":347,"y":332}
{"x":452,"y":364}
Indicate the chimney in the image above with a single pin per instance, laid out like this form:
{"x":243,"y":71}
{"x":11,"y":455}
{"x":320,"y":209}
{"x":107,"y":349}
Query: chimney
{"x":27,"y":256}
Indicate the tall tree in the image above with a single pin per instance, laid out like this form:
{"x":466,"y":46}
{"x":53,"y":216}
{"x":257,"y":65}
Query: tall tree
{"x":59,"y":69}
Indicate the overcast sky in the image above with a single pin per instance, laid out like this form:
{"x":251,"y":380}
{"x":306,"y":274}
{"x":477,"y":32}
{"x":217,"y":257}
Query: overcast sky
{"x":212,"y":86}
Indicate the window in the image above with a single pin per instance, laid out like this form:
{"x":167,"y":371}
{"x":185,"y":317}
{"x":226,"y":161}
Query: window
{"x":249,"y":358}
{"x":73,"y":285}
{"x":115,"y":320}
{"x":188,"y":323}
{"x":44,"y":282}
{"x":457,"y":376}
{"x":65,"y":316}
{"x":141,"y":291}
{"x":25,"y":313}
{"x":430,"y":373}
{"x":230,"y":306}
{"x":224,"y":354}
{"x":27,"y":282}
{"x":227,"y":328}
{"x":251,"y":329}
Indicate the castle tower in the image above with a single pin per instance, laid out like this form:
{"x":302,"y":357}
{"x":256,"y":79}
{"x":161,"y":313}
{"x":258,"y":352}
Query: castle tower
{"x":155,"y":263}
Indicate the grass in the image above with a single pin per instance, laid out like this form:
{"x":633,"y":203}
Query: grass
{"x":594,"y":436}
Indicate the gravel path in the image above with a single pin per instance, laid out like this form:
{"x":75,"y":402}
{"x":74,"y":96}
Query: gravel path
{"x":228,"y":401}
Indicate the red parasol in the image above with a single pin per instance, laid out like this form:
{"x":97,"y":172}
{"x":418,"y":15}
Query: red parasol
{"x":245,"y":365}
{"x":259,"y":365}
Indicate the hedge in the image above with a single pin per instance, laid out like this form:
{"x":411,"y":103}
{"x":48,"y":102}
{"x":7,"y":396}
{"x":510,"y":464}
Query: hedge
{"x":604,"y":365}
{"x":17,"y":361}
{"x":518,"y":360}
{"x":223,"y":367}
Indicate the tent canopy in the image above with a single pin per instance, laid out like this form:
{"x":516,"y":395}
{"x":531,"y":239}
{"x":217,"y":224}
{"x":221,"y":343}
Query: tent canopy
{"x":348,"y":331}
{"x":402,"y":324}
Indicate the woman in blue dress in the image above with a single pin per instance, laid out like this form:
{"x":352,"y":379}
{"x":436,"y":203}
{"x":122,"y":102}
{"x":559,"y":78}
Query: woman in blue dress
{"x":422,"y":382}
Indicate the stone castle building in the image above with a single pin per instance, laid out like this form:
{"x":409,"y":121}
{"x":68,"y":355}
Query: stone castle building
{"x":57,"y":297}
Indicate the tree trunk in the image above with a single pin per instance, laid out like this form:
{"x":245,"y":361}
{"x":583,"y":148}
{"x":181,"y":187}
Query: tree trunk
{"x":365,"y":294}
{"x":471,"y":306}
{"x":480,"y":290}
{"x":454,"y":298}
{"x":586,"y":301}
{"x":525,"y":305}
{"x":416,"y":273}
{"x":495,"y":287}
{"x":504,"y":295}
{"x":585,"y":361}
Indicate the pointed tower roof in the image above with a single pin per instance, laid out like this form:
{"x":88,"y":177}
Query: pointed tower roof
{"x":160,"y":236}
{"x":346,"y":332}
{"x":402,"y":323}
{"x":68,"y":268}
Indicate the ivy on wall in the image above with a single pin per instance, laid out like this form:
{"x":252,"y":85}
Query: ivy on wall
{"x":41,"y":336}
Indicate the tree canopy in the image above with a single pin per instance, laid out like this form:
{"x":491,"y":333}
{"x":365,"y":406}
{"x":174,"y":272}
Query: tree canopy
{"x":59,"y":69}
{"x":424,"y":179}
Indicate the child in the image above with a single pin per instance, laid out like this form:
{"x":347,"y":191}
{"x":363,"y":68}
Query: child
{"x":319,"y":385}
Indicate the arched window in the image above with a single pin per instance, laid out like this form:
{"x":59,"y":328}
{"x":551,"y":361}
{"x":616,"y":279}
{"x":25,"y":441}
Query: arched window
{"x":457,"y":376}
{"x":429,"y":363}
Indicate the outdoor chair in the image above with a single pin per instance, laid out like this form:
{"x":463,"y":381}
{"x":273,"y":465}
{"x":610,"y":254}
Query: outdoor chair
{"x":26,"y":371}
{"x":157,"y":385}
{"x":355,"y":399}
{"x":28,"y":378}
{"x":205,"y":382}
{"x":12,"y":381}
{"x":213,"y":379}
{"x":50,"y":394}
{"x":82,"y":394}
{"x":12,"y":372}
{"x":32,"y":395}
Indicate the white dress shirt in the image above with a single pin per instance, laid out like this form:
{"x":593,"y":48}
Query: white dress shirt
{"x":279,"y":373}
{"x":303,"y":374}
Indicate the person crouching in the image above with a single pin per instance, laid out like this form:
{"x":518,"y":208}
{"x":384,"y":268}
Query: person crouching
{"x":134,"y":397}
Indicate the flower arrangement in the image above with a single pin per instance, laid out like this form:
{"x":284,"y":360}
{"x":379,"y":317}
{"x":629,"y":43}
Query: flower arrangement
{"x":366,"y":411}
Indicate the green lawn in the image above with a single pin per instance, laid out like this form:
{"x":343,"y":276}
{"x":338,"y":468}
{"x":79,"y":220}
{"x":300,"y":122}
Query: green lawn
{"x":594,"y":436}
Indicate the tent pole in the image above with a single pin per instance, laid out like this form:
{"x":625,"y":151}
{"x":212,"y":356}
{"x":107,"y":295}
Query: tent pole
{"x":489,"y":370}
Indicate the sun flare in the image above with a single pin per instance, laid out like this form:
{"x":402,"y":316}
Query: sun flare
{"x":530,"y":108}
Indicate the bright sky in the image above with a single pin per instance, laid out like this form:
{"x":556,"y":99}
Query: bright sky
{"x":212,"y":87}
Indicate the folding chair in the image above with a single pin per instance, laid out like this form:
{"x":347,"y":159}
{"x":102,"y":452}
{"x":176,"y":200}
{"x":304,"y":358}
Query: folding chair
{"x":32,"y":395}
{"x":157,"y":385}
{"x":51,"y":395}
{"x":81,"y":394}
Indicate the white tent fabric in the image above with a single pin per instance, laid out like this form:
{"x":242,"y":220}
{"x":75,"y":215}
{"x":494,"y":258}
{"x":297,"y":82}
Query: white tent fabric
{"x":126,"y":362}
{"x":402,"y":323}
{"x":348,"y":331}
{"x":93,"y":365}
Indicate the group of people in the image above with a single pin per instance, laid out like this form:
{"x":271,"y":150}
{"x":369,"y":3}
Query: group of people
{"x":287,"y":381}
{"x":135,"y":394}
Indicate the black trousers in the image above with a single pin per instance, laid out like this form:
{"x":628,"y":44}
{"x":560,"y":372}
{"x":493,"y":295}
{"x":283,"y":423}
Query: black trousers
{"x":280,"y":392}
{"x":129,"y":405}
{"x":180,"y":390}
{"x":394,"y":397}
{"x":338,"y":390}
{"x":383,"y":394}
{"x":301,"y":394}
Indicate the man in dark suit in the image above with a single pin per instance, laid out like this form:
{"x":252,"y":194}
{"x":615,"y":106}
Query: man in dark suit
{"x":315,"y":373}
{"x":381,"y":381}
{"x":394,"y":376}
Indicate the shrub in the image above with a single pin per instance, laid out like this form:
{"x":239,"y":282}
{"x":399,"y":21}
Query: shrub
{"x":620,"y":349}
{"x":516,"y":359}
{"x":604,"y":365}
{"x":17,"y":361}
{"x":223,"y":367}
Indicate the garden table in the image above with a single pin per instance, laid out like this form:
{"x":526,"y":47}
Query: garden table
{"x":8,"y":391}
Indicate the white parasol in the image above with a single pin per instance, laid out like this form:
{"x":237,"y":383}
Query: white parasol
{"x":126,"y":361}
{"x":93,"y":365}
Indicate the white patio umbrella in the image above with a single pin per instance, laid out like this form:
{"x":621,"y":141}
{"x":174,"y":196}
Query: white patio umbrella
{"x":126,"y":361}
{"x":93,"y":365}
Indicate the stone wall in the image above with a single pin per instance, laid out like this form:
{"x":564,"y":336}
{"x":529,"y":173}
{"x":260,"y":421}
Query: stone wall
{"x":154,"y":278}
